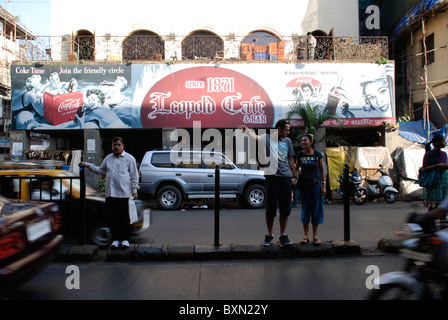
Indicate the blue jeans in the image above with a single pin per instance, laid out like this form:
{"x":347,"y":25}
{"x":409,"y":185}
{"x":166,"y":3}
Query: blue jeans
{"x":278,"y":191}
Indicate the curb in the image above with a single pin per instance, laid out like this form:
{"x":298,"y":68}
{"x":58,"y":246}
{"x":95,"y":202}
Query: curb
{"x":390,"y":246}
{"x":166,"y":252}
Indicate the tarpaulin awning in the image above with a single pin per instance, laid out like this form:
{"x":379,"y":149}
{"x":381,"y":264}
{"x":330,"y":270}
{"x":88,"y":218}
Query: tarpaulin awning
{"x":417,"y":131}
{"x":416,"y":12}
{"x":359,"y":158}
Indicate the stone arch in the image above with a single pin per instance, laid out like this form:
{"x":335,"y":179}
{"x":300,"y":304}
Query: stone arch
{"x":84,"y":45}
{"x":257,"y":45}
{"x":143,"y":45}
{"x":201,"y":44}
{"x":324,"y":46}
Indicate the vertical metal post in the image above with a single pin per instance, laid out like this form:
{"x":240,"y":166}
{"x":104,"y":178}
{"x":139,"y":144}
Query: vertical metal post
{"x":346,"y":199}
{"x":217,"y":192}
{"x":82,"y":199}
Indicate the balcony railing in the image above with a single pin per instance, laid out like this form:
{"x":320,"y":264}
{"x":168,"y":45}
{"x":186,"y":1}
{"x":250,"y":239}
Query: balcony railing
{"x":196,"y":47}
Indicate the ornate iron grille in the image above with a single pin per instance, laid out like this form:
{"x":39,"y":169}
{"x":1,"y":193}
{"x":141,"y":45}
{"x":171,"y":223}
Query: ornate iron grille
{"x":143,"y":47}
{"x":193,"y":47}
{"x":84,"y":47}
{"x":202,"y":47}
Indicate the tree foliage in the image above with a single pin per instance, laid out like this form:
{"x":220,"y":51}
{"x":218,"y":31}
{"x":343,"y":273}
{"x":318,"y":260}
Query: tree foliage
{"x":313,"y":119}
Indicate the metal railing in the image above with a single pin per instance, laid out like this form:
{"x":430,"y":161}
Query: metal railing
{"x":194,"y":47}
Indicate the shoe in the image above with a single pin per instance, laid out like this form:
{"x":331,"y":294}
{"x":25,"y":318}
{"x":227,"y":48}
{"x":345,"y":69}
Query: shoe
{"x":316,"y":241}
{"x":115,"y":244}
{"x":267,"y":240}
{"x":125,"y":244}
{"x":304,"y":240}
{"x":284,"y":240}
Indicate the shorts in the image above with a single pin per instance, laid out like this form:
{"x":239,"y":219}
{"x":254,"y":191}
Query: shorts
{"x":278,"y":190}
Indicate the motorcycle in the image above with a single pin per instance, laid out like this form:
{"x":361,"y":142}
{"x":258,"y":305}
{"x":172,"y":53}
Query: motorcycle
{"x":425,"y":273}
{"x":383,"y":187}
{"x":356,"y":191}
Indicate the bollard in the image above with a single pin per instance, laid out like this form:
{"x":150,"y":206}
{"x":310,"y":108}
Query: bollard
{"x":82,"y":199}
{"x":346,"y":198}
{"x":217,"y":192}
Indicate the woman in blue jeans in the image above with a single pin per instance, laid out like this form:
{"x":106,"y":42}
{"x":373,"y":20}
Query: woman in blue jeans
{"x":311,"y":164}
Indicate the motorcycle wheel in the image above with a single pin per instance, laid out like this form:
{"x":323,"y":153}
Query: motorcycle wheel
{"x":360,"y":197}
{"x":393,"y":291}
{"x":390,"y":197}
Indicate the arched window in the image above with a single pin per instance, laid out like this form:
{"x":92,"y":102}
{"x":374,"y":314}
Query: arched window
{"x":261,"y":45}
{"x":201,"y":45}
{"x":84,"y":45}
{"x":324,"y":46}
{"x":143,"y":45}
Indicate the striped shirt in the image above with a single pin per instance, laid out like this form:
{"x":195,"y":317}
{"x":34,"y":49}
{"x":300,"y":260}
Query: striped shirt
{"x":121,"y":174}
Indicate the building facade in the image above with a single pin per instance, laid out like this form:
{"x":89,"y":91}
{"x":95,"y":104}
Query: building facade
{"x":11,"y":34}
{"x":191,"y":66}
{"x":112,"y":22}
{"x":419,"y":43}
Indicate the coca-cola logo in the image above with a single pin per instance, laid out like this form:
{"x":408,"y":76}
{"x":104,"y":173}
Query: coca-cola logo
{"x":220,"y":98}
{"x":69,"y":104}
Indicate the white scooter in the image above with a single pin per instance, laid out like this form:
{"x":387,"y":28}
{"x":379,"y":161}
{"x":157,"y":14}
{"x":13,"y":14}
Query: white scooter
{"x":383,"y":187}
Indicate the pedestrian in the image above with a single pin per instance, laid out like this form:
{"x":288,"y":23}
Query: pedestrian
{"x":121,"y":173}
{"x":435,"y":158}
{"x":280,"y":174}
{"x":311,"y":45}
{"x":301,"y":49}
{"x":312,"y":197}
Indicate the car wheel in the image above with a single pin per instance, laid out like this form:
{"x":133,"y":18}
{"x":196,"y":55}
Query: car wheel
{"x":255,"y":196}
{"x":101,"y":235}
{"x":169,"y":198}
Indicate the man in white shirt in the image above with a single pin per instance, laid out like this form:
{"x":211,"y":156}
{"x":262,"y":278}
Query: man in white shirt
{"x":121,"y":173}
{"x":311,"y":45}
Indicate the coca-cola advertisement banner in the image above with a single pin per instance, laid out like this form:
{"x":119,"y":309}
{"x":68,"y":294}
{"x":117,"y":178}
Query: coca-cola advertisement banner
{"x":179,"y":95}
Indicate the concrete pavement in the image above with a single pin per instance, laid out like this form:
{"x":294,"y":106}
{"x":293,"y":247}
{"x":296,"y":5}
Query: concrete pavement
{"x":190,"y":234}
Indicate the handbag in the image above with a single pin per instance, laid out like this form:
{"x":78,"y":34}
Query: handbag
{"x":428,"y":179}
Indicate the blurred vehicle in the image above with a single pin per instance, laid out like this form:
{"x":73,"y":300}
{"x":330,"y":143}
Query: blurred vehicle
{"x":40,"y":180}
{"x":29,"y":240}
{"x":172,"y":177}
{"x":425,"y":247}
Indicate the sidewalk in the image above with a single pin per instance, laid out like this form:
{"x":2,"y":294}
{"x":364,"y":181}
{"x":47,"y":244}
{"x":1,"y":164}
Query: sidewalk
{"x":189,"y":235}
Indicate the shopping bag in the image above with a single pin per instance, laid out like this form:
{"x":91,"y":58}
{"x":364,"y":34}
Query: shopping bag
{"x":132,"y":211}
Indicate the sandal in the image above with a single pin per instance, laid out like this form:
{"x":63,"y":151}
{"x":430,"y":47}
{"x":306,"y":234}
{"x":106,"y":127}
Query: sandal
{"x":316,"y":241}
{"x":305,"y":240}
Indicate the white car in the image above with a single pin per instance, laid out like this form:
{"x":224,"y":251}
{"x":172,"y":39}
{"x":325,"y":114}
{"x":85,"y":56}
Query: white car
{"x":170,"y":178}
